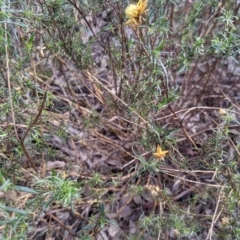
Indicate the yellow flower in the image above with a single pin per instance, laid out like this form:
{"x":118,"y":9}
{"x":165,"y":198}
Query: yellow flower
{"x":222,"y":111}
{"x":160,"y":153}
{"x":63,"y":174}
{"x":135,"y":12}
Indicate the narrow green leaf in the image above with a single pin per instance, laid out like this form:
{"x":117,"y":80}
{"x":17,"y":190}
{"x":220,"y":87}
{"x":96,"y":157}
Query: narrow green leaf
{"x":10,"y":209}
{"x":24,"y":189}
{"x":2,"y":179}
{"x":4,"y":222}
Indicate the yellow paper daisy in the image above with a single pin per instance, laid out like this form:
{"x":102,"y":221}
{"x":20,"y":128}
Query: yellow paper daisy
{"x":134,"y":12}
{"x":160,"y":153}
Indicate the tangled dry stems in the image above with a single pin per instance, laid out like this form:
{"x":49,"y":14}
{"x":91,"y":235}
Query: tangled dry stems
{"x":99,"y":125}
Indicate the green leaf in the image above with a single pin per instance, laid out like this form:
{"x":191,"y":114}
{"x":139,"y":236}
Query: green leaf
{"x":6,"y":185}
{"x":24,"y":189}
{"x":4,"y":222}
{"x":15,"y":210}
{"x":88,"y":227}
{"x":29,"y":43}
{"x":2,"y":179}
{"x":54,"y":173}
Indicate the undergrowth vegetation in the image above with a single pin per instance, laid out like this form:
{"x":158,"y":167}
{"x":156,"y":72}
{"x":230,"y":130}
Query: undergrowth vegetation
{"x":119,"y":124}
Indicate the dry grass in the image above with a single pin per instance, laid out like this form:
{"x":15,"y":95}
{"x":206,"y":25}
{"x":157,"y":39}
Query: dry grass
{"x":86,"y":100}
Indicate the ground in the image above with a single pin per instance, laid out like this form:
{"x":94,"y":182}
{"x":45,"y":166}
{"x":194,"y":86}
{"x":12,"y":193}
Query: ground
{"x":113,"y":131}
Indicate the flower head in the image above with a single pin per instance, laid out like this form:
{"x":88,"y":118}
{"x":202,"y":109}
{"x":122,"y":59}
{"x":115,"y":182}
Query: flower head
{"x":135,"y":12}
{"x":160,"y":153}
{"x":222,"y":111}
